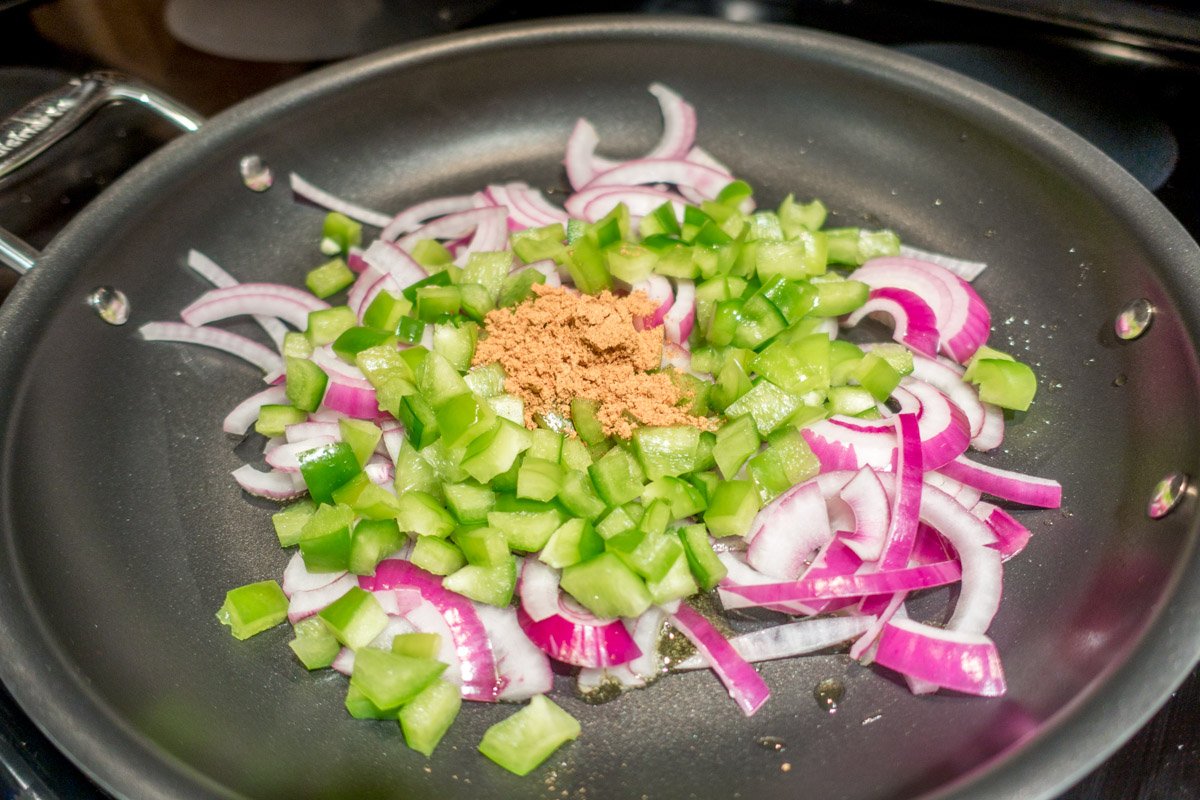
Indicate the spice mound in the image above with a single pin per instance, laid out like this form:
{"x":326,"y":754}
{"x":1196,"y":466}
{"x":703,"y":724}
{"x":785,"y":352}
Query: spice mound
{"x":561,"y":344}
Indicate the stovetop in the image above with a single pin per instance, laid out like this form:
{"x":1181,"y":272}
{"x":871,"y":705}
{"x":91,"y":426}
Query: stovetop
{"x":1125,"y":75}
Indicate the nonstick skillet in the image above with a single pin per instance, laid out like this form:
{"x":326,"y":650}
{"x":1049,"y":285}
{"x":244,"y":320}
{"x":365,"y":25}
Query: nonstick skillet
{"x":120,"y":529}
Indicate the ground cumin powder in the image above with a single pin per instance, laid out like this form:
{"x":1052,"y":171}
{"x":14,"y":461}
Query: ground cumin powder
{"x":563,"y":344}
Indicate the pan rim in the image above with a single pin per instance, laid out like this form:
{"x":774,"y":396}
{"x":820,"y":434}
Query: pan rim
{"x":1132,"y":691}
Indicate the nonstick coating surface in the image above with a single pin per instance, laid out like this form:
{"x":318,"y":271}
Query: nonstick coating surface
{"x":122,"y":530}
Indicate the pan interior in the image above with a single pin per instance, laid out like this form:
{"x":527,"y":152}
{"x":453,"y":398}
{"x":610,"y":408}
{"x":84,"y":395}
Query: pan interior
{"x":123,"y":529}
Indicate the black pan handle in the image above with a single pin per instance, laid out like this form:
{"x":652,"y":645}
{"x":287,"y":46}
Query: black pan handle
{"x":48,"y":119}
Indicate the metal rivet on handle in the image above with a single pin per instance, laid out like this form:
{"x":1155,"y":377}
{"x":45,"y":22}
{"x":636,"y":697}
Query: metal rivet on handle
{"x":255,"y":173}
{"x":1134,"y":319}
{"x":110,"y":304}
{"x":1167,"y":494}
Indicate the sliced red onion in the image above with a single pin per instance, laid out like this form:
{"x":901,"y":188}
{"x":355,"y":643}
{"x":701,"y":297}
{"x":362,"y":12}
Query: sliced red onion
{"x":739,"y":573}
{"x":592,"y":204}
{"x":679,"y":128}
{"x":491,"y":235}
{"x":681,"y":317}
{"x":866,"y":498}
{"x":454,"y":226}
{"x":286,"y":302}
{"x":381,"y":473}
{"x":286,"y":457}
{"x":297,"y":578}
{"x":862,"y":584}
{"x":532,"y":207}
{"x":677,"y":357}
{"x":353,"y":401}
{"x":308,"y":430}
{"x":958,"y":660}
{"x":428,"y":618}
{"x":412,"y":217}
{"x":948,"y":380}
{"x":962,"y":318}
{"x":979,"y":596}
{"x":523,"y":669}
{"x":393,"y":440}
{"x":787,"y":531}
{"x":332,"y":202}
{"x":745,"y":685}
{"x":245,"y":413}
{"x":396,"y":624}
{"x":788,"y":640}
{"x":658,"y":289}
{"x":945,"y":431}
{"x":906,"y":505}
{"x":966,"y":496}
{"x":991,"y":434}
{"x":843,"y":443}
{"x":339,"y":370}
{"x":1005,"y":484}
{"x":581,"y":149}
{"x":343,"y":662}
{"x":913,"y":321}
{"x":564,"y":630}
{"x":249,"y":350}
{"x":304,"y":604}
{"x":208,"y":269}
{"x":639,"y":172}
{"x":967,"y":270}
{"x":271,"y":485}
{"x":480,"y":681}
{"x":1011,"y":536}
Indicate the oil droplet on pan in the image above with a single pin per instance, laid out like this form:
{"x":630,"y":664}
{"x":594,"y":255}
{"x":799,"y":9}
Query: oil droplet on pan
{"x":829,"y":693}
{"x":110,"y":304}
{"x":255,"y":173}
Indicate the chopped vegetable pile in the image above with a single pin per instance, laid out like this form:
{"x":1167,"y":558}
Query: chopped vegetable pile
{"x":455,"y":540}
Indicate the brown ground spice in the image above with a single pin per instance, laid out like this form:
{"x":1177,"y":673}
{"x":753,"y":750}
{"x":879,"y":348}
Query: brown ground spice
{"x":562,"y":344}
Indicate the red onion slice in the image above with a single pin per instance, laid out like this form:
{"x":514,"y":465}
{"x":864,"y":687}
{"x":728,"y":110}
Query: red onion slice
{"x":1005,"y":484}
{"x":964,"y":662}
{"x":787,"y":531}
{"x":788,"y":640}
{"x":249,"y":350}
{"x":706,"y":180}
{"x":412,"y":217}
{"x":991,"y":433}
{"x":479,"y":676}
{"x":523,"y":670}
{"x":1011,"y":536}
{"x":592,"y":204}
{"x":745,"y":685}
{"x":304,"y":604}
{"x":320,"y":197}
{"x":862,"y":584}
{"x":245,"y":413}
{"x":681,"y":317}
{"x":212,"y":272}
{"x":271,"y":485}
{"x":913,"y":321}
{"x":866,"y":498}
{"x":297,"y":578}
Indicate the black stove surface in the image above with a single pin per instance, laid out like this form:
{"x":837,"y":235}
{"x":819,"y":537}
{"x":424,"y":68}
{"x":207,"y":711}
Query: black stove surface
{"x":1124,"y":75}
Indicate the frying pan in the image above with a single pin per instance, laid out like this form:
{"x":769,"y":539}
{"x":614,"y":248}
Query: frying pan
{"x":122,"y":530}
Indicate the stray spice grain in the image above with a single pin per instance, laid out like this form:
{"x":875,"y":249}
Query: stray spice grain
{"x":562,"y":344}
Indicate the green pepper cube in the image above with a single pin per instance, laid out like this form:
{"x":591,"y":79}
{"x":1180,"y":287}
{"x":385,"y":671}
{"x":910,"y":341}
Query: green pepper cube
{"x":360,"y":707}
{"x":486,"y":380}
{"x":313,"y":644}
{"x":463,"y":419}
{"x":617,"y":476}
{"x":417,"y":645}
{"x":342,"y":230}
{"x":523,"y":741}
{"x":296,"y":345}
{"x":732,"y":508}
{"x":676,"y":583}
{"x":838,"y":297}
{"x":389,"y":680}
{"x":483,"y":547}
{"x":469,"y":502}
{"x":495,"y":452}
{"x":385,"y":312}
{"x":362,"y":435}
{"x":439,"y":556}
{"x":274,"y":418}
{"x":539,"y":479}
{"x":493,"y":585}
{"x":650,"y":555}
{"x":1008,"y":384}
{"x":290,"y":521}
{"x":306,"y":383}
{"x":325,"y":539}
{"x":329,"y":278}
{"x":877,"y":376}
{"x":706,"y":567}
{"x":526,"y":531}
{"x":578,"y":495}
{"x":573,"y":541}
{"x":326,"y":324}
{"x":355,"y":619}
{"x":426,"y":718}
{"x":587,"y":424}
{"x":767,"y":404}
{"x":372,"y":541}
{"x":666,"y":451}
{"x":327,"y":467}
{"x":681,"y":498}
{"x":422,"y":514}
{"x":606,"y":587}
{"x":253,"y":608}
